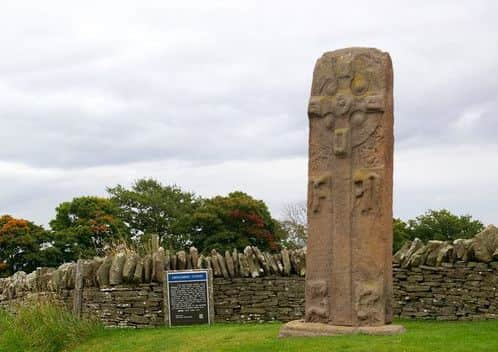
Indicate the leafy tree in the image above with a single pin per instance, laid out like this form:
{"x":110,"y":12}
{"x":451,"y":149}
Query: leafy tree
{"x":152,"y":208}
{"x":235,"y":221}
{"x":24,"y":246}
{"x":84,"y":226}
{"x":295,"y":225}
{"x":443,"y":225}
{"x":401,"y":233}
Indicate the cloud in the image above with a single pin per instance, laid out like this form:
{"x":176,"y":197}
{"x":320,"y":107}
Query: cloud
{"x":185,"y":91}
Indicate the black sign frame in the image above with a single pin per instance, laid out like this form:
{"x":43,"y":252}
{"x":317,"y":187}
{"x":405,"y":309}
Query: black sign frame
{"x":186,"y":284}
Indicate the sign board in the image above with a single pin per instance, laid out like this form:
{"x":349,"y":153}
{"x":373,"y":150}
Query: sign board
{"x":188,"y":297}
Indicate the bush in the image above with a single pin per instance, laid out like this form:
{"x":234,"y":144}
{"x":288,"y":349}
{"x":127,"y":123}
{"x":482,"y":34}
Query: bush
{"x":43,"y":328}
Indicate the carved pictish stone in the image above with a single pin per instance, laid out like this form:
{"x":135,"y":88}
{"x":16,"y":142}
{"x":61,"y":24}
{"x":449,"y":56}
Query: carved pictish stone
{"x":349,"y":269}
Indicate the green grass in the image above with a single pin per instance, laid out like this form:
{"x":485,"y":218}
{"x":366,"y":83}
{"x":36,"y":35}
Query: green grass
{"x":420,"y":336}
{"x":43,"y":328}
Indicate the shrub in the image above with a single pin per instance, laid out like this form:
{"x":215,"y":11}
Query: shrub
{"x":43,"y":328}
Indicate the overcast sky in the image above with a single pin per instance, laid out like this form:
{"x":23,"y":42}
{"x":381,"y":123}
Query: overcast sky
{"x":212,"y":96}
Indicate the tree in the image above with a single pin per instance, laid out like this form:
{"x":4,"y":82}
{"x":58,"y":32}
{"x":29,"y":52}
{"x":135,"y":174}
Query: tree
{"x":24,"y":246}
{"x":235,"y":221}
{"x":152,"y":208}
{"x":295,"y":225}
{"x":443,"y":225}
{"x":401,"y":233}
{"x":84,"y":227}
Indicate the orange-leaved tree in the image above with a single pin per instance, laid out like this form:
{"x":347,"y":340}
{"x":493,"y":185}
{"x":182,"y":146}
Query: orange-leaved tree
{"x":24,"y":246}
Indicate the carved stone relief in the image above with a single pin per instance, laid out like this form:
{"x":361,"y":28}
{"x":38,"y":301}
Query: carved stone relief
{"x":320,"y":191}
{"x":317,"y":298}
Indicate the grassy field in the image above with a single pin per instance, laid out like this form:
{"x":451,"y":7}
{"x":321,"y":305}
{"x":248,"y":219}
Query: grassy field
{"x":420,"y":336}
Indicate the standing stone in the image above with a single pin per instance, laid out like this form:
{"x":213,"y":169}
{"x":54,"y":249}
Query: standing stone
{"x":116,"y":271}
{"x":130,"y":266}
{"x":261,"y":259}
{"x":215,"y":264}
{"x":167,"y":259}
{"x":138,"y":276}
{"x":286,"y":261}
{"x":349,"y":269}
{"x":148,"y":268}
{"x":103,"y":271}
{"x":158,"y":265}
{"x":244,"y":269}
{"x":229,"y":261}
{"x":194,"y":256}
{"x":235,"y":258}
{"x":181,"y":260}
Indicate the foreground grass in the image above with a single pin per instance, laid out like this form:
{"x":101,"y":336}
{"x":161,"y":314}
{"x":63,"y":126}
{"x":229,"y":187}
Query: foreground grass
{"x":43,"y":328}
{"x":420,"y":336}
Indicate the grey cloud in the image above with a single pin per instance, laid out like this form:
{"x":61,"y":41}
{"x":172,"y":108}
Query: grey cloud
{"x":206,"y":83}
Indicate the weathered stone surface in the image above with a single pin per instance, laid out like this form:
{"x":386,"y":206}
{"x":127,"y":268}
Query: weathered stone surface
{"x":158,"y":265}
{"x":453,"y":291}
{"x":103,"y":271}
{"x":194,"y":257}
{"x":349,"y":274}
{"x":230,"y":265}
{"x":214,"y":263}
{"x":130,"y":266}
{"x":271,"y":262}
{"x":432,"y":251}
{"x":251,"y":261}
{"x":116,"y":271}
{"x":485,"y":244}
{"x":223,"y":266}
{"x":400,"y":255}
{"x":181,"y":260}
{"x":286,"y":262}
{"x":278,"y":261}
{"x":244,"y":270}
{"x":167,"y":259}
{"x":172,"y":263}
{"x":301,"y":261}
{"x":201,"y":262}
{"x":235,"y":258}
{"x":261,"y":260}
{"x":148,"y":268}
{"x":416,"y":245}
{"x":300,"y":328}
{"x":138,"y":275}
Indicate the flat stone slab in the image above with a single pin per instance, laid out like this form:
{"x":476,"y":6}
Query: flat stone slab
{"x":301,"y":328}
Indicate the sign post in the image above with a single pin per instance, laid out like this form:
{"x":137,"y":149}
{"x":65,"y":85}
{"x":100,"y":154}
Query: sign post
{"x":188,"y":297}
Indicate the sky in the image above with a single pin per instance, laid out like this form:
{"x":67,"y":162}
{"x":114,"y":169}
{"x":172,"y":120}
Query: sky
{"x":212,"y":96}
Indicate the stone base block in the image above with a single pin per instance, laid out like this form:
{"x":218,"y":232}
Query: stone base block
{"x":301,"y":328}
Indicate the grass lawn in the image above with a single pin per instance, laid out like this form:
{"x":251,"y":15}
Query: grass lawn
{"x":420,"y":336}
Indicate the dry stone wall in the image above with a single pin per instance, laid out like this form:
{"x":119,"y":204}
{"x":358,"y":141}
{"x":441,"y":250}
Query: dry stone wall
{"x":437,"y":280}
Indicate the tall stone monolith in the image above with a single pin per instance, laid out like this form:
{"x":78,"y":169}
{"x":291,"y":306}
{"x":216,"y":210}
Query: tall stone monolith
{"x":350,"y":182}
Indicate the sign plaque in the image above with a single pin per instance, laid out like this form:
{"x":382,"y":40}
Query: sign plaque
{"x":188,"y":297}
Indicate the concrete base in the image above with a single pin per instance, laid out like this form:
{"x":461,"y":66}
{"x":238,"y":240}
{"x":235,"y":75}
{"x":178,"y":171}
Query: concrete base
{"x":301,"y":328}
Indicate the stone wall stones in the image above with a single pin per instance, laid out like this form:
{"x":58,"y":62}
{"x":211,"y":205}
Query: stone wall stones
{"x":437,"y":280}
{"x":259,"y":299}
{"x":452,"y":291}
{"x":457,"y":291}
{"x":135,"y":306}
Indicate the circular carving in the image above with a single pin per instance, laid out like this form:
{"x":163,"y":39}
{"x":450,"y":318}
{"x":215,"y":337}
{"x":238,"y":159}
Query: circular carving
{"x":357,"y":118}
{"x":342,"y":104}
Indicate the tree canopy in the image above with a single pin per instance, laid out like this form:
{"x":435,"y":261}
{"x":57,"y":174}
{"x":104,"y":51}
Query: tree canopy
{"x":150,"y":207}
{"x":435,"y":225}
{"x":84,"y":226}
{"x":23,"y":246}
{"x":235,"y":221}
